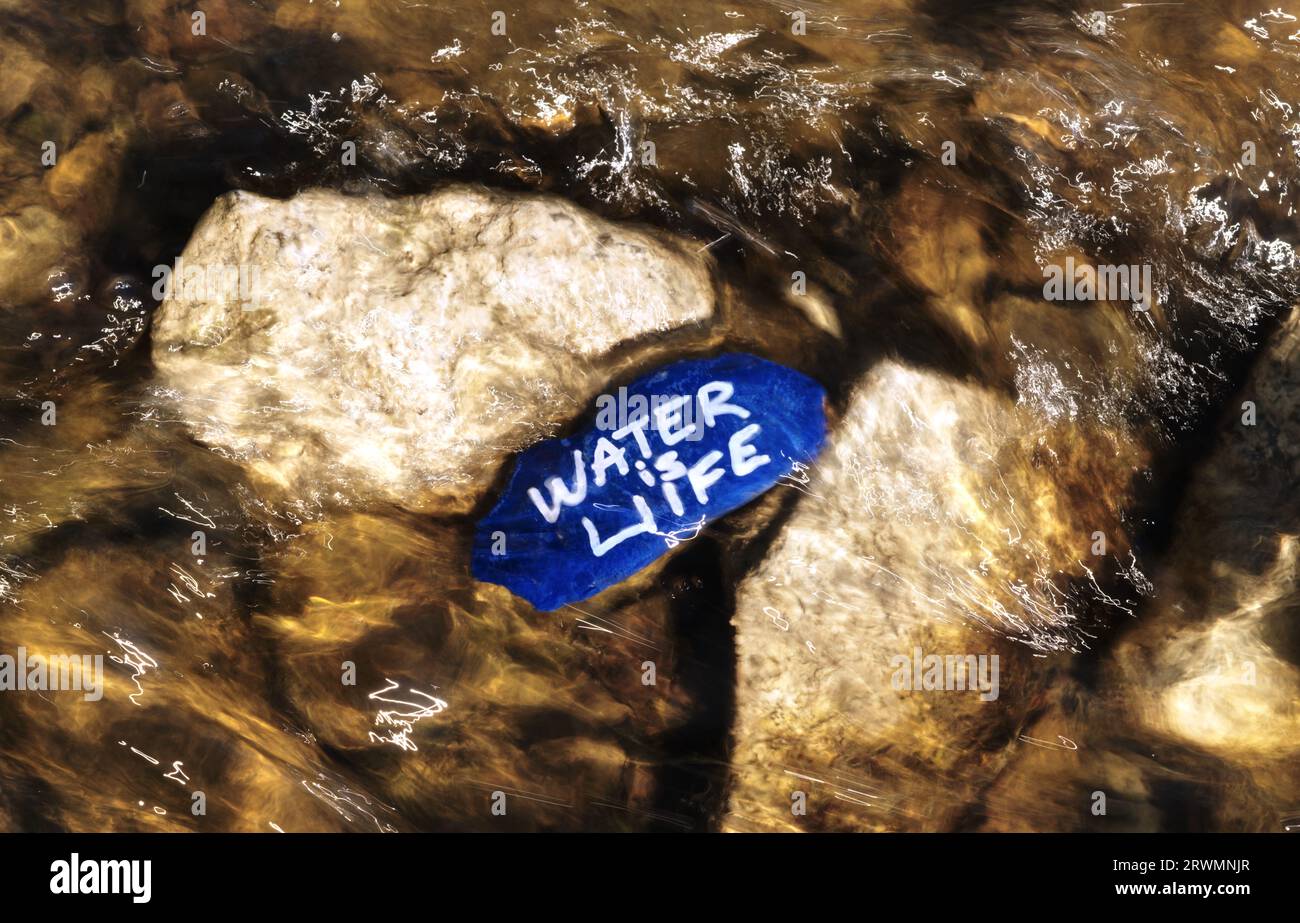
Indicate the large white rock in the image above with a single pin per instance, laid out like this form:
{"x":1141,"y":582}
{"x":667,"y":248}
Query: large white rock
{"x":399,"y":349}
{"x":942,"y":516}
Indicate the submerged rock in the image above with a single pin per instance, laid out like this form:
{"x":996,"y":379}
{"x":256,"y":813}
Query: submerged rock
{"x":943,"y":520}
{"x":63,"y":141}
{"x":399,"y":349}
{"x":461,"y":690}
{"x":1206,"y":677}
{"x":1214,"y":662}
{"x":675,"y":450}
{"x":180,"y":690}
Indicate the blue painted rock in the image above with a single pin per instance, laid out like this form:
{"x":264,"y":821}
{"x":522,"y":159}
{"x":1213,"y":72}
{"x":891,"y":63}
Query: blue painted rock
{"x":664,"y":456}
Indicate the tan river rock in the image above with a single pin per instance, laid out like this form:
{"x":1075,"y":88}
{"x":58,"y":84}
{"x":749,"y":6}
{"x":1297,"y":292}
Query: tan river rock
{"x":405,"y":360}
{"x":942,"y":517}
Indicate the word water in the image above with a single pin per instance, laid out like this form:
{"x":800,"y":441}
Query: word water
{"x":585,"y":512}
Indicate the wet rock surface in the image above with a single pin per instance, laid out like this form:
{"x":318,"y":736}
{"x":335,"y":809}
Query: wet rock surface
{"x":463,"y":690}
{"x":403,"y":361}
{"x":942,"y":520}
{"x":1201,"y":686}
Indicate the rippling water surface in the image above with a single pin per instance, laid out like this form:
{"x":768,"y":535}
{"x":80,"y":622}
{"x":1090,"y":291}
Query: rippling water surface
{"x":921,"y":164}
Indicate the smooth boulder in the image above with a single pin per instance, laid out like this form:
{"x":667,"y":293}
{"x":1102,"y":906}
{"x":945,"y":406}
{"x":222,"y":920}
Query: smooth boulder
{"x":943,"y":520}
{"x":397,"y":350}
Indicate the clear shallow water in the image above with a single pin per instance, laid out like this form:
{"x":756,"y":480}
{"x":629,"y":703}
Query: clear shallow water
{"x":821,"y":152}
